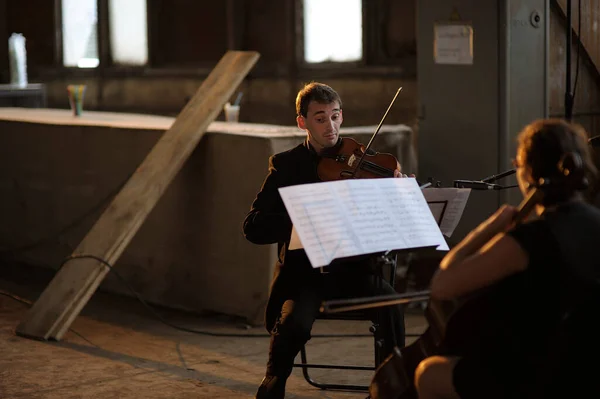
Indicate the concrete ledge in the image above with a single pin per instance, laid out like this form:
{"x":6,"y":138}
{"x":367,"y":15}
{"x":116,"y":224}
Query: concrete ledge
{"x":56,"y":179}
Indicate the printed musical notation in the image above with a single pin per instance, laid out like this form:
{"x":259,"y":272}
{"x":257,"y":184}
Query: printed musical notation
{"x":359,"y":216}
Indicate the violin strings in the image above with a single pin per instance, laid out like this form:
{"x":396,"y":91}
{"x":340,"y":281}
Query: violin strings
{"x":374,"y":168}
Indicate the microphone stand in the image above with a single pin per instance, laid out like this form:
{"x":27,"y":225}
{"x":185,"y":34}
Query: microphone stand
{"x":347,"y":305}
{"x":486,"y":183}
{"x":499,"y":176}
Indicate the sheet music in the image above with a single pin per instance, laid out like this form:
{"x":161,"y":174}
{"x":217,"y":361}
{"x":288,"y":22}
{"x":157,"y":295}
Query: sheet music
{"x":360,"y":216}
{"x":457,"y":200}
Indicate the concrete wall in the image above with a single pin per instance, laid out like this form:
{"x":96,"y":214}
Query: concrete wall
{"x":55,"y":180}
{"x":265,"y":100}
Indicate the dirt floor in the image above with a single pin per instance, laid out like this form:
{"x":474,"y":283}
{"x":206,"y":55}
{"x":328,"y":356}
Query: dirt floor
{"x":118,"y":349}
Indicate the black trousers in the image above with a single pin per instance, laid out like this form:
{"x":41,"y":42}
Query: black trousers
{"x":306,"y":291}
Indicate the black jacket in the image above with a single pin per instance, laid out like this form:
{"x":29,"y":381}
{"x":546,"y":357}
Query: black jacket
{"x":268,"y":221}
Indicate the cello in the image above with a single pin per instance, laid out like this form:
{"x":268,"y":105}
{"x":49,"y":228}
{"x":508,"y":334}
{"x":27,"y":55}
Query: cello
{"x":454,"y":326}
{"x":446,"y":333}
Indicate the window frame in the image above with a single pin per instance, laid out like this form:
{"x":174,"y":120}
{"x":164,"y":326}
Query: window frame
{"x":373,"y":61}
{"x":108,"y":68}
{"x":103,"y":44}
{"x":104,"y":54}
{"x":299,"y":31}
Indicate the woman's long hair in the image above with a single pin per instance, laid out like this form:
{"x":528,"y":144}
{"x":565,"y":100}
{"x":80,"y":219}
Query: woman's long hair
{"x":558,"y":152}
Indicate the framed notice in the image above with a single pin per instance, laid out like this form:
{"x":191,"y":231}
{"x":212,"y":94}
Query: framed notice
{"x":453,"y":43}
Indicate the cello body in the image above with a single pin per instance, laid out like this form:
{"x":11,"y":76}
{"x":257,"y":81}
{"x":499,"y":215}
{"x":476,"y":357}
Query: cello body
{"x":455,"y":327}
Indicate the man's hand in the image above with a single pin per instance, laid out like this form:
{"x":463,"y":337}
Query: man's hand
{"x":398,"y":172}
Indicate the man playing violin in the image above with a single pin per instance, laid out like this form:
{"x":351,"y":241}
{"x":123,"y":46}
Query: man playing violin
{"x":298,"y":289}
{"x":540,"y":278}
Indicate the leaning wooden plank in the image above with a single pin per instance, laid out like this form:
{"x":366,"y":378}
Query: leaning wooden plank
{"x":73,"y":285}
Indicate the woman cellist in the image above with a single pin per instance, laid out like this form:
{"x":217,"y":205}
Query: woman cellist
{"x":545,"y":273}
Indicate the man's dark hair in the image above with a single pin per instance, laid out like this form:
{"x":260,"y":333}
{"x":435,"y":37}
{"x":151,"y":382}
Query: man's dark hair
{"x":318,"y":92}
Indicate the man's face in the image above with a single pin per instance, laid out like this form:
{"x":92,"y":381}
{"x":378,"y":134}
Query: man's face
{"x":322,"y":124}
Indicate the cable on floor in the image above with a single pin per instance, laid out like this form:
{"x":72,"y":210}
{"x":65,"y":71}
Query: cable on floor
{"x":166,"y":322}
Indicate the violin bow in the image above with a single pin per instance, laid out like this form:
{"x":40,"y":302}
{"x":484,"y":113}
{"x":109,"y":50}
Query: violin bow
{"x":359,"y":163}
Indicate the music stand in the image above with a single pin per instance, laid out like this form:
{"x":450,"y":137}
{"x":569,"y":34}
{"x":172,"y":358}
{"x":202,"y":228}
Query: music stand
{"x":436,"y":204}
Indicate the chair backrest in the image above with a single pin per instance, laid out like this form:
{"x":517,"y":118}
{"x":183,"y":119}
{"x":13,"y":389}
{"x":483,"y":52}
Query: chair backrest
{"x":386,"y":264}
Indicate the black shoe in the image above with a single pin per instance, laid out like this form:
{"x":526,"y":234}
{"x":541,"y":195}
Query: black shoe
{"x":271,"y":387}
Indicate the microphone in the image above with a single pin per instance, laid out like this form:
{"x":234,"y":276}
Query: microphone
{"x":476,"y":185}
{"x":499,"y":176}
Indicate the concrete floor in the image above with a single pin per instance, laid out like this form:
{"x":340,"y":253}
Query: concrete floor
{"x":117,"y":349}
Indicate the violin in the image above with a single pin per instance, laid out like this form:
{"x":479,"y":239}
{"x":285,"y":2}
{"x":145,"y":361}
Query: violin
{"x":354,"y":160}
{"x":344,"y":163}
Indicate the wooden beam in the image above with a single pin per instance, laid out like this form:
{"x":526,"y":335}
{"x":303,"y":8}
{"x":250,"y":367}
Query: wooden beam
{"x":103,"y":31}
{"x":4,"y":35}
{"x":73,"y":285}
{"x":589,"y":36}
{"x":235,"y":24}
{"x":58,"y":36}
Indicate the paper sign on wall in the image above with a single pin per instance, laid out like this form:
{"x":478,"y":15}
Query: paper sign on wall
{"x":453,"y":44}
